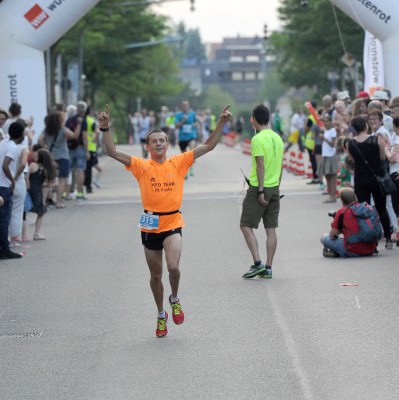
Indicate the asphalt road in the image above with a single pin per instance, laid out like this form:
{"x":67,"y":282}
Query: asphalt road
{"x":77,"y":318}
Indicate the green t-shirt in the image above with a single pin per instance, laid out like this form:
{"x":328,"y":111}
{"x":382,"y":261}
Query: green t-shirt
{"x":270,"y":146}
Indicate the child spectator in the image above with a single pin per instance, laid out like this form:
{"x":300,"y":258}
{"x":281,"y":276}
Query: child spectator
{"x":41,"y":170}
{"x":344,"y":173}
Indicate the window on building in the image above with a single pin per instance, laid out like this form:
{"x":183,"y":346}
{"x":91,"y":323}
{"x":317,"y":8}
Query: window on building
{"x":224,"y":75}
{"x":236,"y":59}
{"x":250,"y":76}
{"x":236,"y":76}
{"x":252,"y":58}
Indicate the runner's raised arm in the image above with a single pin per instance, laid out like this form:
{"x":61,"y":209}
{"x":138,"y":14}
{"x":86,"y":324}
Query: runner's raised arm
{"x":103,"y":119}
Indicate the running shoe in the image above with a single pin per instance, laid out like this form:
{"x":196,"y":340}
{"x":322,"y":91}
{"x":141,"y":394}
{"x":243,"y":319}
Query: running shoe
{"x":267,"y":274}
{"x":162,"y":329}
{"x":329,"y":253}
{"x":254,"y":270}
{"x":177,"y":312}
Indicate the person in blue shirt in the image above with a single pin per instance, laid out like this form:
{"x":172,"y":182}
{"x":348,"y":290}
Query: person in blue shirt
{"x":186,"y":124}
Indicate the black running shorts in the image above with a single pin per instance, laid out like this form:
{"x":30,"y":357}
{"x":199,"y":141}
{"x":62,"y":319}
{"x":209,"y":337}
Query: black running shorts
{"x":154,"y":241}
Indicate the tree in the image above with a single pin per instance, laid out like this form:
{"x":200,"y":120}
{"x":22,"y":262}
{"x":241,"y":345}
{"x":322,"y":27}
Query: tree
{"x":215,"y":97}
{"x":192,"y":48}
{"x":309,"y":45}
{"x":117,"y":74}
{"x":272,"y":88}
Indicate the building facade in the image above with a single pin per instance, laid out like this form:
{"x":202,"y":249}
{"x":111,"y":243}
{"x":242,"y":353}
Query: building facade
{"x":237,"y":66}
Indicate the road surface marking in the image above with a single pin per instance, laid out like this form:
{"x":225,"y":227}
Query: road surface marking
{"x":357,"y":302}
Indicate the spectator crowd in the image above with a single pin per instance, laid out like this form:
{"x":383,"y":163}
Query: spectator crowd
{"x":354,"y":143}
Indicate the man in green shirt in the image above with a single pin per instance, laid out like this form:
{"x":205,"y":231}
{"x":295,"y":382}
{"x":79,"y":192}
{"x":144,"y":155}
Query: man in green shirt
{"x":262,"y":200}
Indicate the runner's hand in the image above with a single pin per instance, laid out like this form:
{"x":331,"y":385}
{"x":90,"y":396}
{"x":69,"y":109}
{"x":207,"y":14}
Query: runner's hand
{"x":226,"y":114}
{"x":103,"y":117}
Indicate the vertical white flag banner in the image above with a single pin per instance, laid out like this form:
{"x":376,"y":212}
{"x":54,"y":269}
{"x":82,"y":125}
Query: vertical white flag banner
{"x":373,"y":62}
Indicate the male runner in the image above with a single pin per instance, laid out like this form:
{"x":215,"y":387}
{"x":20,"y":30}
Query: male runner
{"x":186,"y":124}
{"x":161,"y":183}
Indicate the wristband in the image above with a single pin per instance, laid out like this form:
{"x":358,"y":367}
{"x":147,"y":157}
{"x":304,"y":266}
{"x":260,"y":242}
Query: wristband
{"x":104,"y":129}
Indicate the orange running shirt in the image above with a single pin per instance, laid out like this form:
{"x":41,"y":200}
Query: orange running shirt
{"x":161,"y":187}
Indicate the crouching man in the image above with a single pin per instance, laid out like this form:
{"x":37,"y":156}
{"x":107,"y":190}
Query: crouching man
{"x":355,"y":230}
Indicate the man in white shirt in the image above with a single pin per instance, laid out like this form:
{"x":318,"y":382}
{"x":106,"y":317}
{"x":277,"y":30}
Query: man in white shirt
{"x":328,"y":166}
{"x":8,"y":169}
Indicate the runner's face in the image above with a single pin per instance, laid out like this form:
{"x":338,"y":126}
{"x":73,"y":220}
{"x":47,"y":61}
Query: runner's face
{"x":157,"y":143}
{"x":185,"y":106}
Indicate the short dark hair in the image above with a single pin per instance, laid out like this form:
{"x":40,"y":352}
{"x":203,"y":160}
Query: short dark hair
{"x":37,"y":147}
{"x":261,"y":114}
{"x":22,"y":122}
{"x":16,"y":131}
{"x":147,"y":136}
{"x":359,"y":124}
{"x":14,"y":109}
{"x":347,"y":195}
{"x":396,"y":122}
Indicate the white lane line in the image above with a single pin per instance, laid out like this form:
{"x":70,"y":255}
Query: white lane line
{"x":292,"y":349}
{"x":357,"y":302}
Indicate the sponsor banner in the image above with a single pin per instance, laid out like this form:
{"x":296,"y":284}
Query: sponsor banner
{"x":40,"y":23}
{"x":380,"y":17}
{"x":22,"y":80}
{"x":373,"y":63}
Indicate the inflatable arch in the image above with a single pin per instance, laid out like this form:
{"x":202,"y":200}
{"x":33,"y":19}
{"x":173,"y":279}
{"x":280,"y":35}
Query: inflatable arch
{"x":381,"y":18}
{"x":27,"y":29}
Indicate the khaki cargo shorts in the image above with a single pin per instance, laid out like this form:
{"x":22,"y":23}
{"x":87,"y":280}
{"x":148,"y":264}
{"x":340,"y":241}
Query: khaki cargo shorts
{"x":253,"y":212}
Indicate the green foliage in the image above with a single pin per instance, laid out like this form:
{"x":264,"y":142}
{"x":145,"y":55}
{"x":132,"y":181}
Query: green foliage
{"x":191,"y":45}
{"x":309,"y":46}
{"x":272,"y":88}
{"x":215,"y":98}
{"x":116,"y":74}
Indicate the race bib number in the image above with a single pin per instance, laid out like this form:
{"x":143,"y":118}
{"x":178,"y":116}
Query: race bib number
{"x":187,"y":128}
{"x":149,"y":221}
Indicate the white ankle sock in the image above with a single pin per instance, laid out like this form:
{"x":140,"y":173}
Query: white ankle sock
{"x":162,"y":314}
{"x":173,"y":299}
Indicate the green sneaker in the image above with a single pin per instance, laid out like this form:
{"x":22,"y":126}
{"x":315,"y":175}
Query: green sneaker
{"x":254,"y":270}
{"x":267,"y":274}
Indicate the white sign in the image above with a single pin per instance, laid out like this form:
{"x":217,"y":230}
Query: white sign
{"x":373,"y":62}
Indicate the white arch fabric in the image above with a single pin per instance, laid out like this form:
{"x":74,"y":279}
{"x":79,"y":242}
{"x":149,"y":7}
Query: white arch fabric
{"x":381,"y":18}
{"x":28,"y":27}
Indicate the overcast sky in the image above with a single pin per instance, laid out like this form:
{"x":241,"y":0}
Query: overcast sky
{"x":224,"y":18}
